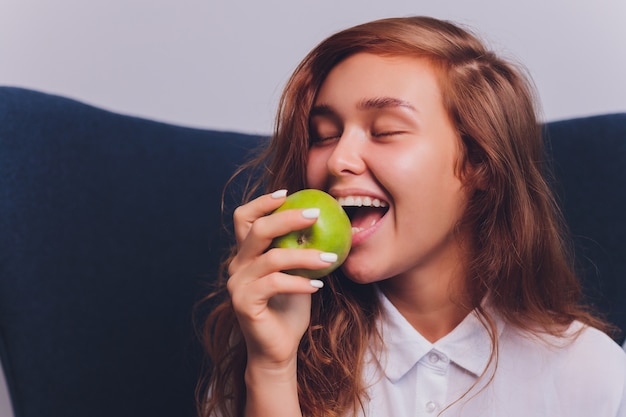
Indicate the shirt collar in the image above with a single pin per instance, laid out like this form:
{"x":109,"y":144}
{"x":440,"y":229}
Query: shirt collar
{"x":468,"y":345}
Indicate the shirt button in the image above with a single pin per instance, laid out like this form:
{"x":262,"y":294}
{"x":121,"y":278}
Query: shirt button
{"x":433,"y":358}
{"x":430,"y":407}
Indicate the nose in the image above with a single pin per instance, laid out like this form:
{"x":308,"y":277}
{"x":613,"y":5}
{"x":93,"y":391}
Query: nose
{"x":347,"y":155}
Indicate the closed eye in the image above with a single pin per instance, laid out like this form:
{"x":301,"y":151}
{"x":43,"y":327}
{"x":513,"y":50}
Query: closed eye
{"x":387,"y":133}
{"x":321,"y":140}
{"x":325,"y":126}
{"x":323,"y":131}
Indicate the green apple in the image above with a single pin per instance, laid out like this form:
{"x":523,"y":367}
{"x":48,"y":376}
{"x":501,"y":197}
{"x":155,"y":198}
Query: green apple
{"x":331,"y":232}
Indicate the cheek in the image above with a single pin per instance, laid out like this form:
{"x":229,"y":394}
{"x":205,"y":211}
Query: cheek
{"x":316,"y":171}
{"x":426,"y":178}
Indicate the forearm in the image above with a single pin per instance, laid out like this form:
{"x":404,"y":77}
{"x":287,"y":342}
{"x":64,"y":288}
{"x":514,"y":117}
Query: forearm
{"x":271,"y":392}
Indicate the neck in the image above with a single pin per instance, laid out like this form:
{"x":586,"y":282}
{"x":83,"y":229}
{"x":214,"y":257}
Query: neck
{"x":432,"y":305}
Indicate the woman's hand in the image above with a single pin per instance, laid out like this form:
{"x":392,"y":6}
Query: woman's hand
{"x":273,"y":308}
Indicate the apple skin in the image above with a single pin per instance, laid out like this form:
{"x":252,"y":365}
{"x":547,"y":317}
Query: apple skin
{"x":331,"y":232}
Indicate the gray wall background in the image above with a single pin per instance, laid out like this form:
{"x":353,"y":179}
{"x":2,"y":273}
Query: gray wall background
{"x":222,"y":63}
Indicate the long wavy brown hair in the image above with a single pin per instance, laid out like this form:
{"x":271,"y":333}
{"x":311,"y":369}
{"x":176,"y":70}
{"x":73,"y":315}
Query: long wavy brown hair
{"x":522,"y":260}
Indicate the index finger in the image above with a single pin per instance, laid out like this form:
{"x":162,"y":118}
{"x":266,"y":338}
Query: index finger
{"x":245,"y":215}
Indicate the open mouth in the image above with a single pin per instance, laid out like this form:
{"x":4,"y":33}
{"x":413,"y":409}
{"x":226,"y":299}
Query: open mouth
{"x":364,"y":211}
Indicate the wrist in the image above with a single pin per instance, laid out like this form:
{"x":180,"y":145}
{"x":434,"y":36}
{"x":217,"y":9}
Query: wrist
{"x":272,"y":390}
{"x":260,"y":371}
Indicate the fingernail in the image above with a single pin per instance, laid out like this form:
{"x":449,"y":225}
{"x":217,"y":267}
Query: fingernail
{"x":311,"y":213}
{"x":279,"y":193}
{"x":317,"y":283}
{"x":328,"y":257}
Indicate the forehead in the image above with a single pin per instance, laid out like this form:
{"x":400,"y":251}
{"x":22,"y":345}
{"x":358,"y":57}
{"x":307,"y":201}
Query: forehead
{"x":366,"y":77}
{"x":363,"y":76}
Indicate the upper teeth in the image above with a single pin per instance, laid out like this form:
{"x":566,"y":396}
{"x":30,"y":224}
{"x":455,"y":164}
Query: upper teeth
{"x":360,"y":201}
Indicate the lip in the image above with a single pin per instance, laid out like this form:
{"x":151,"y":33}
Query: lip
{"x":346,"y":192}
{"x":359,"y":237}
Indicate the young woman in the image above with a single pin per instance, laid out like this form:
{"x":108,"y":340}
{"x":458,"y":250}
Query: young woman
{"x":458,"y":297}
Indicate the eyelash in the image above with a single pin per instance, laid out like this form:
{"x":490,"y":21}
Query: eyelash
{"x":317,"y":140}
{"x":387,"y":133}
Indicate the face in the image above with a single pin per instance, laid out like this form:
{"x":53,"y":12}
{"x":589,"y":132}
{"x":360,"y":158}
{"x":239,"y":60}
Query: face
{"x":381,"y":138}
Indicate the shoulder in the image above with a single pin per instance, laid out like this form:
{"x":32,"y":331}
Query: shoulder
{"x":593,"y":369}
{"x":584,"y":367}
{"x":588,"y":350}
{"x":585,"y":338}
{"x":580,"y":348}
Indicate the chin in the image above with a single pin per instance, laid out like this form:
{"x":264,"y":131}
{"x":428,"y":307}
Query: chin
{"x":360,"y":275}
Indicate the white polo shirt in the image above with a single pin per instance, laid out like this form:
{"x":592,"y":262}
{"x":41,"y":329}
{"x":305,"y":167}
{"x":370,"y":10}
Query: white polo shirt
{"x":551,"y":377}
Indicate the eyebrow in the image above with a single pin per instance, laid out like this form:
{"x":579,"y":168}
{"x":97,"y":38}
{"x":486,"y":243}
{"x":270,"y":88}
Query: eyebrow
{"x":322,"y":110}
{"x":365,"y":104}
{"x":384,"y":102}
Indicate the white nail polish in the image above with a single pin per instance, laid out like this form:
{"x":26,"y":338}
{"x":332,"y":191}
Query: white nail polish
{"x":328,"y":257}
{"x":311,"y":213}
{"x":279,"y":193}
{"x":316,"y":283}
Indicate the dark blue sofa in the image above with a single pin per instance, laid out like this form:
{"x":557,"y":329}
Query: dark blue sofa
{"x":110,"y":231}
